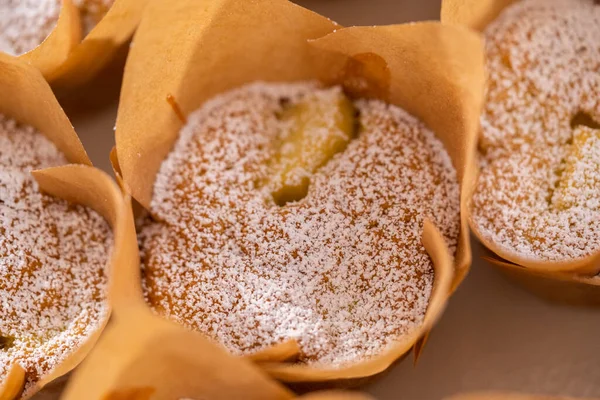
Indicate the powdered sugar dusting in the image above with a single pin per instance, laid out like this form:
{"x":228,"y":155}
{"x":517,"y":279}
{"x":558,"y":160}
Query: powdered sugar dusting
{"x":537,"y":195}
{"x":24,"y":24}
{"x":52,"y":260}
{"x":343,"y":270}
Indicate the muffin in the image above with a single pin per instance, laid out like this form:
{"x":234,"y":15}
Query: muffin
{"x":534,"y":204}
{"x":56,"y":237}
{"x":306,"y":205}
{"x":53,"y":278}
{"x":281,"y":216}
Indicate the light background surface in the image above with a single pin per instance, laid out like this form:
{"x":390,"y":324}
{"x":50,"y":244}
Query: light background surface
{"x":493,"y":335}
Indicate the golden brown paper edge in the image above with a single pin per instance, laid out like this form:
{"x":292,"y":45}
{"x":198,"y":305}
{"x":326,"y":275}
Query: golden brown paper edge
{"x":443,"y":276}
{"x":557,"y":287}
{"x":135,"y":333}
{"x":467,"y":133}
{"x":99,"y":46}
{"x":148,"y":353}
{"x":163,"y":19}
{"x":55,"y":49}
{"x":468,"y":92}
{"x":588,"y":265}
{"x":27,"y":98}
{"x":477,"y":14}
{"x":13,"y":385}
{"x":131,"y":157}
{"x":336,"y":395}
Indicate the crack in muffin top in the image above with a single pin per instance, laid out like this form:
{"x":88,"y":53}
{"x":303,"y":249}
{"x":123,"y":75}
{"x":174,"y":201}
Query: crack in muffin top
{"x":537,"y":196}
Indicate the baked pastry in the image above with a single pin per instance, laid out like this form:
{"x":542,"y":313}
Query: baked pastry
{"x":53,"y":257}
{"x":25,"y":24}
{"x":288,"y":212}
{"x":536,"y":199}
{"x":177,"y":139}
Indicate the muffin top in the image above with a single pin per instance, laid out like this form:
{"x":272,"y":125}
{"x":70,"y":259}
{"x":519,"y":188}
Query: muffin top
{"x":52,"y":260}
{"x":537,"y":194}
{"x":339,"y":266}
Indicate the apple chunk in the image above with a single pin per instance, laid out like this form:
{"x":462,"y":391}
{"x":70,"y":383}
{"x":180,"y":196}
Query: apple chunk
{"x":316,"y":128}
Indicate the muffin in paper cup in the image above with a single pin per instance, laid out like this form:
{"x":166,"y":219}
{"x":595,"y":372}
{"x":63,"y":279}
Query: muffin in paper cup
{"x":62,"y":225}
{"x":69,"y":41}
{"x":533,"y":204}
{"x":211,"y":54}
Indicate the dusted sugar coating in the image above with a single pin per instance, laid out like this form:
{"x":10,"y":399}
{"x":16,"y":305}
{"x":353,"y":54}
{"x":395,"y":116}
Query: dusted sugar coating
{"x":343,"y":270}
{"x":538,"y":194}
{"x":24,"y":24}
{"x":52,"y":261}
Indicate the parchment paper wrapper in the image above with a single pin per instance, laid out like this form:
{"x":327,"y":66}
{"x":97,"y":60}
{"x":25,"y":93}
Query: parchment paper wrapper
{"x":192,"y":50}
{"x":570,"y":282}
{"x":143,"y":357}
{"x":27,"y":98}
{"x":67,"y":59}
{"x":508,"y":396}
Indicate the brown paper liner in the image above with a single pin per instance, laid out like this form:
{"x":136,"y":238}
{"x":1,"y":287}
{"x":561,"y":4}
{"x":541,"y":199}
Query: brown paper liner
{"x":143,"y":357}
{"x":435,"y":72}
{"x":478,"y":14}
{"x":99,"y":47}
{"x":55,"y":49}
{"x":28,"y":99}
{"x":66,"y":60}
{"x":508,"y":396}
{"x":13,"y":384}
{"x":557,"y":287}
{"x":475,"y":14}
{"x":333,"y":395}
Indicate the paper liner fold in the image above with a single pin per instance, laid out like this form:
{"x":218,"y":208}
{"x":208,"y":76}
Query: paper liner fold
{"x":27,"y":98}
{"x":55,"y":49}
{"x":99,"y":46}
{"x":436,"y":74}
{"x":67,"y":59}
{"x":207,"y":47}
{"x":557,"y":287}
{"x":475,"y":14}
{"x":143,"y":357}
{"x":547,"y":279}
{"x":12,"y":386}
{"x":442,"y":286}
{"x":333,"y":395}
{"x":508,"y":396}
